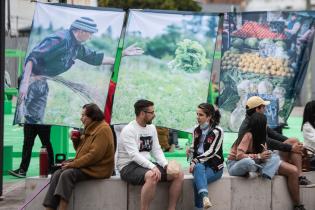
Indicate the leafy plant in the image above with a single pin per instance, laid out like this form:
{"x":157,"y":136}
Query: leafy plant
{"x":190,"y":56}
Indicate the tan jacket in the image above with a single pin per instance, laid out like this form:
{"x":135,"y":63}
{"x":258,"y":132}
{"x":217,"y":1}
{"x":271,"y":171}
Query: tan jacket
{"x":95,"y":151}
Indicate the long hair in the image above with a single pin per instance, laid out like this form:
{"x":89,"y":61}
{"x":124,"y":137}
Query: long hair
{"x":258,"y":128}
{"x":210,"y":111}
{"x":309,"y":114}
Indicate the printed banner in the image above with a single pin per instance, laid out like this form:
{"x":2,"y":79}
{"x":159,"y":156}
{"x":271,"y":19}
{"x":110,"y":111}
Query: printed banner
{"x":264,"y":53}
{"x":68,"y":63}
{"x":174,"y":71}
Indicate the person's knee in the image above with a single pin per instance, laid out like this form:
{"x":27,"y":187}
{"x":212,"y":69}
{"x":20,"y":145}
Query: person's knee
{"x":198,"y":167}
{"x":291,"y":141}
{"x":248,"y":164}
{"x":180,"y":176}
{"x":289,"y":170}
{"x":56,"y":174}
{"x":150,"y":178}
{"x":294,"y":171}
{"x":275,"y":158}
{"x":66,"y":174}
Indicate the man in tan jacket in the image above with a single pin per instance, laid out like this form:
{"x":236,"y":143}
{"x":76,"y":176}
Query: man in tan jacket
{"x":94,"y":159}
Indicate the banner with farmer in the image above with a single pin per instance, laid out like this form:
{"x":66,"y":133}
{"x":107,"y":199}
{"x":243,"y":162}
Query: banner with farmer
{"x":68,"y":63}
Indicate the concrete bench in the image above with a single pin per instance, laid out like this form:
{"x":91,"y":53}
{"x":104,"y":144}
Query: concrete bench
{"x":229,"y":193}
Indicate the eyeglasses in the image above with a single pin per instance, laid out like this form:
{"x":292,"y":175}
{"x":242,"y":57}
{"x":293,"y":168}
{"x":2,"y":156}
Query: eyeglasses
{"x":149,"y":112}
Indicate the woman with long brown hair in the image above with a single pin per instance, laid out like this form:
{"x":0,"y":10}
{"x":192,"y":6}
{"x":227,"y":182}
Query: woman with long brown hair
{"x":207,"y":162}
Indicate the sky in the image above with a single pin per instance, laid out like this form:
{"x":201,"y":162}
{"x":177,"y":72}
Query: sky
{"x":63,"y":17}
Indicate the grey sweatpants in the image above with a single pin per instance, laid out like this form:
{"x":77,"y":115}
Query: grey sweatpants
{"x":61,"y":185}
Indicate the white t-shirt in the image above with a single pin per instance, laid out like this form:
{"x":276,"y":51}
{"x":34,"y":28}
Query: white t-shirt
{"x":309,"y":135}
{"x":139,"y":144}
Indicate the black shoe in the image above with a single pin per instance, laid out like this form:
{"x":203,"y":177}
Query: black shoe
{"x":18,"y":173}
{"x":299,"y":207}
{"x":178,"y":147}
{"x":304,"y":182}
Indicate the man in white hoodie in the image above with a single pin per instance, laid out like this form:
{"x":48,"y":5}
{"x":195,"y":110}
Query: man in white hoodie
{"x":138,"y":143}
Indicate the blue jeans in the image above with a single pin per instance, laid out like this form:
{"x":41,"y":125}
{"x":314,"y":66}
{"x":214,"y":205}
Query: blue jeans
{"x":241,"y":167}
{"x":203,"y":175}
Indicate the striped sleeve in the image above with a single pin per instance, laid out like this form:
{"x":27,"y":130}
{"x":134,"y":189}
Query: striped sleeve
{"x":214,"y":147}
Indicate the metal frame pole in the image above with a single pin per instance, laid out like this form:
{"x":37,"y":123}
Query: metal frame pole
{"x":2,"y":34}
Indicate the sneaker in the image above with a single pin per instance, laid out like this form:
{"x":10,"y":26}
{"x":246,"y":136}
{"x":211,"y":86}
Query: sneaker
{"x":299,"y":207}
{"x":252,"y":175}
{"x":206,"y":203}
{"x":178,"y":147}
{"x":18,"y":173}
{"x":304,"y":182}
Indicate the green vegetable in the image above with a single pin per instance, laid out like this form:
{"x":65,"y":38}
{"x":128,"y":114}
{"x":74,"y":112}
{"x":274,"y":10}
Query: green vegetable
{"x":251,"y":42}
{"x":190,"y":56}
{"x":237,"y":42}
{"x":234,"y":50}
{"x":281,"y":44}
{"x":266,"y":41}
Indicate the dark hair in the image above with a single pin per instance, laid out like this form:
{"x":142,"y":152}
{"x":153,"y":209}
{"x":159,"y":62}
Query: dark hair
{"x":251,"y":111}
{"x":309,"y":114}
{"x":93,"y":112}
{"x":142,"y":105}
{"x":257,"y":127}
{"x":209,"y":110}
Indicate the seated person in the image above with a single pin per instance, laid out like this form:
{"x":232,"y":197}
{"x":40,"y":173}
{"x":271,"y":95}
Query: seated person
{"x":138,"y":141}
{"x":290,"y":148}
{"x":94,"y":159}
{"x":249,"y":154}
{"x":207,"y":162}
{"x":308,"y":125}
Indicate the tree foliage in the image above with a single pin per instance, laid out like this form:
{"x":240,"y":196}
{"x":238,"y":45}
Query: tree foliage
{"x":164,"y":44}
{"x":182,"y":5}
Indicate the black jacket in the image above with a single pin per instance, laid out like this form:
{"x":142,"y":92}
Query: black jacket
{"x":213,"y":152}
{"x":274,"y":139}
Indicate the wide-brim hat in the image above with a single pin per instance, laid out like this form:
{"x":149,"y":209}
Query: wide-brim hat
{"x":255,"y":101}
{"x":85,"y":24}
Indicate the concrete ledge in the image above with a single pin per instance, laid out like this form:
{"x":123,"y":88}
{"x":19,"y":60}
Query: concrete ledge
{"x":228,"y":193}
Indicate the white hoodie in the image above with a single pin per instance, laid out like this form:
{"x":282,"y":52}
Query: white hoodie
{"x":138,"y":144}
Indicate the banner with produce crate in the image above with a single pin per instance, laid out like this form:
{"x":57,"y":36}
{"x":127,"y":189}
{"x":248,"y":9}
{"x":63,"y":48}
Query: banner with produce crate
{"x":174,"y":71}
{"x":264,"y":53}
{"x":68,"y":63}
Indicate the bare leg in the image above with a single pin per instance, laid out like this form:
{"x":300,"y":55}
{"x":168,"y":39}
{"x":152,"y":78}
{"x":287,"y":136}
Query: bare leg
{"x":63,"y":205}
{"x":291,"y":172}
{"x":291,"y":157}
{"x":175,"y":190}
{"x":148,"y":190}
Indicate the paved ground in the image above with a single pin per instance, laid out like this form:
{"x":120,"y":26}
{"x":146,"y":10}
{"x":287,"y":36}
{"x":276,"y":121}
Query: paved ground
{"x":14,"y":195}
{"x":14,"y":189}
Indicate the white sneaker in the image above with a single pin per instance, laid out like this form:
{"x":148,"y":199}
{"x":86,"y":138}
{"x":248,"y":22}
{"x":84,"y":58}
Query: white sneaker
{"x":206,"y":203}
{"x":252,"y":175}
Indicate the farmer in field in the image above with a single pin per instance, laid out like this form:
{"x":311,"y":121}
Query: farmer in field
{"x":55,"y":55}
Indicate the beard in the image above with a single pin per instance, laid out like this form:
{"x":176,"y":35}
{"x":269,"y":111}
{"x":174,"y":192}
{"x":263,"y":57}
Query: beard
{"x":149,"y":122}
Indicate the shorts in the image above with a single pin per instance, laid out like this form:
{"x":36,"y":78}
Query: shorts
{"x":134,"y":174}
